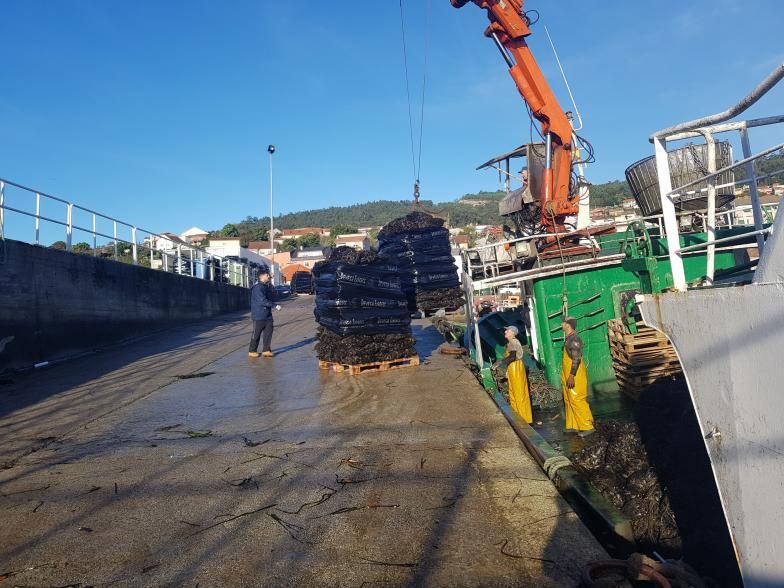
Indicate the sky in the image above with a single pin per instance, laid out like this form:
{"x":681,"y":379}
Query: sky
{"x":160,"y":113}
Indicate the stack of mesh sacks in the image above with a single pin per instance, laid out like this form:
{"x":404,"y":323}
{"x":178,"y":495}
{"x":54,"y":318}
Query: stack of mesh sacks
{"x":361,"y":309}
{"x":419,"y":244}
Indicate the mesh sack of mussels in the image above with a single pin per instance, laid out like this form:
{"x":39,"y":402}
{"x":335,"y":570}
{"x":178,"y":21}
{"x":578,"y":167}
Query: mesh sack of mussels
{"x":419,"y":244}
{"x":361,"y":309}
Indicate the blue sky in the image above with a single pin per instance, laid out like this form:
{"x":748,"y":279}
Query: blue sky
{"x":160,"y":112}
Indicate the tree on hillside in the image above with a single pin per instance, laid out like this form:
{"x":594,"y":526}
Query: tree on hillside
{"x":81,"y":247}
{"x":289,"y":244}
{"x":380,"y":212}
{"x":309,"y":240}
{"x":58,"y":245}
{"x":341,"y":230}
{"x":230,"y":230}
{"x":609,"y":194}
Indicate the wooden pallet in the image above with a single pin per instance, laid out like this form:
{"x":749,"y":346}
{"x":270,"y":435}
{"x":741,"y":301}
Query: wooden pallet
{"x":642,"y":362}
{"x":376,"y":366}
{"x":642,"y":358}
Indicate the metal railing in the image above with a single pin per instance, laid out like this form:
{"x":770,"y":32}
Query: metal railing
{"x":707,"y":127}
{"x":126,"y":243}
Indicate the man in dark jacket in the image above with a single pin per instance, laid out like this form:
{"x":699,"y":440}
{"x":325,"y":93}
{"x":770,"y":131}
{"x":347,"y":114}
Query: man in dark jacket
{"x":261,"y":304}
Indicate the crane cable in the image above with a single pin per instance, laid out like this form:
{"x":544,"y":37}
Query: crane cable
{"x":416,"y":155}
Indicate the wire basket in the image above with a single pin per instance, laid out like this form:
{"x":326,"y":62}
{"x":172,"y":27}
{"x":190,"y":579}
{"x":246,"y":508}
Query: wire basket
{"x":687,"y":164}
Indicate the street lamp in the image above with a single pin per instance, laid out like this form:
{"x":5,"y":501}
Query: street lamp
{"x":271,"y":150}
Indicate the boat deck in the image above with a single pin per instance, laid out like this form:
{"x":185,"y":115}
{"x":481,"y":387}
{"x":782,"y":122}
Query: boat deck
{"x":177,"y":460}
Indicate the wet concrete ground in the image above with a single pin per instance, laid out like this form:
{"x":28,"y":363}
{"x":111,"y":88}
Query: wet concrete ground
{"x":271,"y":472}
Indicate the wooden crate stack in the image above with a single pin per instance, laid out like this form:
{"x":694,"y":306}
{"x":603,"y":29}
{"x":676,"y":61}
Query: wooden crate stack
{"x":640,"y":359}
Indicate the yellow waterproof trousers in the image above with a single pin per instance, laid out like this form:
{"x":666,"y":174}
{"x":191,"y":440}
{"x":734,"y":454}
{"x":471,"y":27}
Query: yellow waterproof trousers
{"x":578,"y":413}
{"x":519,"y":398}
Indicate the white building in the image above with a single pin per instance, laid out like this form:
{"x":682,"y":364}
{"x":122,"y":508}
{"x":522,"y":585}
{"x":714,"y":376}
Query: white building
{"x":309,"y":256}
{"x":166,"y":242}
{"x":195,"y":235}
{"x":357,"y":241}
{"x":230,"y":247}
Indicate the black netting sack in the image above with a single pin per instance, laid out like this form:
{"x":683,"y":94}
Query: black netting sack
{"x":356,"y":349}
{"x":358,"y":293}
{"x":419,"y":244}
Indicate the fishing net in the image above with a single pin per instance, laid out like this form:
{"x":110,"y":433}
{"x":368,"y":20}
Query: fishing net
{"x":355,"y":349}
{"x":446,"y":298}
{"x":419,"y":245}
{"x":361,"y":309}
{"x":351,"y":255}
{"x":411,"y":222}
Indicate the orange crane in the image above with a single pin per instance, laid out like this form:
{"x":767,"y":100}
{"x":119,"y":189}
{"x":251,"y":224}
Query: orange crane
{"x":509,"y":26}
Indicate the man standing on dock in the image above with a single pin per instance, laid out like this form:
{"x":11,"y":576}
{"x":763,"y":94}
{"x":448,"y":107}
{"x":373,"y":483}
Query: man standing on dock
{"x":261,"y":305}
{"x":574,"y":381}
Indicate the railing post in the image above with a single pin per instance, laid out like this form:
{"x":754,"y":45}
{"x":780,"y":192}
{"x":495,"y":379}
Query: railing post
{"x":37,"y":218}
{"x":115,"y":239}
{"x":2,"y":209}
{"x":191,"y":263}
{"x":668,"y":213}
{"x":212,"y":268}
{"x":164,"y":260}
{"x":179,"y":259}
{"x":95,"y":239}
{"x":133,"y":247}
{"x":69,"y":227}
{"x":710,"y":218}
{"x":756,"y":209}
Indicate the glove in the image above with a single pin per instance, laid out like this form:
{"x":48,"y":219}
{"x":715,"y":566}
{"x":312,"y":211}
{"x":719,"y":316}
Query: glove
{"x":277,"y":307}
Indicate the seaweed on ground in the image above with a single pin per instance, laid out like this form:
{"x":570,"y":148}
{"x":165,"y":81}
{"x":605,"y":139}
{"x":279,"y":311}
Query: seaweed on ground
{"x":543,"y":395}
{"x":616,"y":462}
{"x":657,"y":471}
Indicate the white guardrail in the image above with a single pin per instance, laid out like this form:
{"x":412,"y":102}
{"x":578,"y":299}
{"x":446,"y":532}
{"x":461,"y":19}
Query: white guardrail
{"x":127,"y":242}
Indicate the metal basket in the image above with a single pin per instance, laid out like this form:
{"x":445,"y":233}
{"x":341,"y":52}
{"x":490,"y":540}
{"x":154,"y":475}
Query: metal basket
{"x":687,"y":164}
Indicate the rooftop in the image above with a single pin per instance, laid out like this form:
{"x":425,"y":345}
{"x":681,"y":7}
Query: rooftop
{"x":194,"y":231}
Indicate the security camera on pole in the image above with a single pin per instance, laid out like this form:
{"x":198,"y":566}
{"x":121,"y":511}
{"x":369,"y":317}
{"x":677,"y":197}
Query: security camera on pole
{"x":271,"y":150}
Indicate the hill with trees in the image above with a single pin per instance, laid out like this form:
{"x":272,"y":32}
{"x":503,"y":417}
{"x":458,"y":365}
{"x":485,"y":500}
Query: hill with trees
{"x":470,"y":209}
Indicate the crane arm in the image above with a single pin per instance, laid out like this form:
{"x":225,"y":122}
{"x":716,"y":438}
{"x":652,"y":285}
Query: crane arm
{"x":509,"y":28}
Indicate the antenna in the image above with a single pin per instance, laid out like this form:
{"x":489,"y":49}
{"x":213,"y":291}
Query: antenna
{"x":563,"y":75}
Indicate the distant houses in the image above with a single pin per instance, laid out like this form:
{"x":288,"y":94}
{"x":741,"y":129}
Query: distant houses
{"x":358,"y":241}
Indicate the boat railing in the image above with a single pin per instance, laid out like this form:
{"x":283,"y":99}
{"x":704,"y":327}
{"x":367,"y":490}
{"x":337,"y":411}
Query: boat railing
{"x":708,"y":128}
{"x":110,"y":237}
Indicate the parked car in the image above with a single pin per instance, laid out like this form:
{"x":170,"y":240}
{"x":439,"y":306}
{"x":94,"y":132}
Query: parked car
{"x":302,"y":283}
{"x":282,"y":291}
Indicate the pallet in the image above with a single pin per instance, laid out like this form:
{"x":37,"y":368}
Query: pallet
{"x":640,"y":359}
{"x":647,"y":361}
{"x":376,"y":366}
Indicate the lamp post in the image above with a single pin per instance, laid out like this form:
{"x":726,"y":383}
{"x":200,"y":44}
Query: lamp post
{"x":271,"y":150}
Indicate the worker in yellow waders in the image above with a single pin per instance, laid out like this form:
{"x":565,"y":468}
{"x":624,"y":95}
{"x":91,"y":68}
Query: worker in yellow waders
{"x":574,"y":382}
{"x":519,"y":399}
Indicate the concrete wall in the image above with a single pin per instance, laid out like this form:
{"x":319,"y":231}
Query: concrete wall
{"x":54,"y":303}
